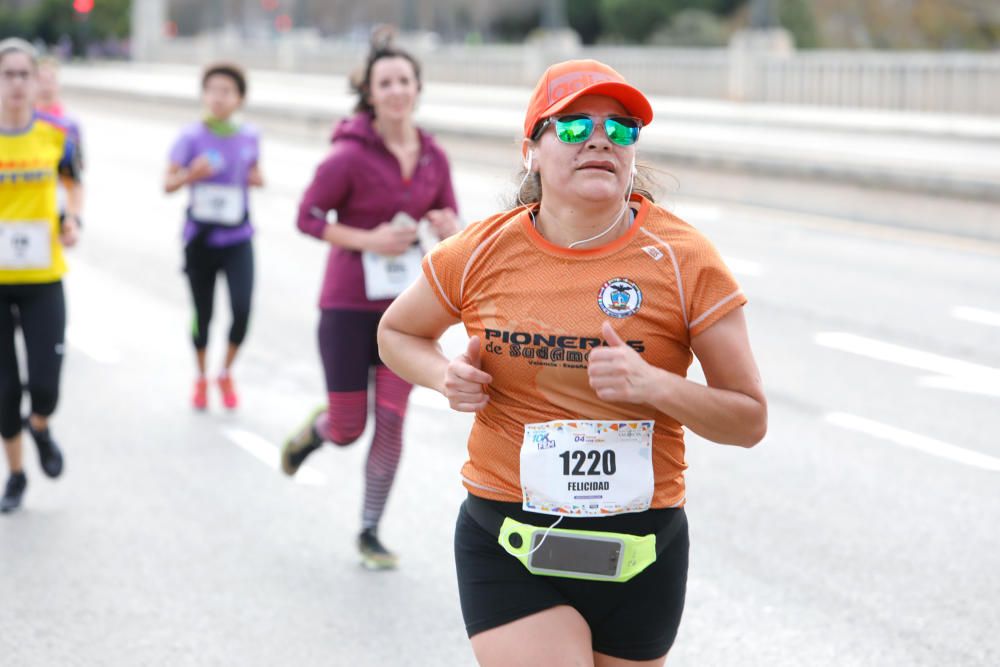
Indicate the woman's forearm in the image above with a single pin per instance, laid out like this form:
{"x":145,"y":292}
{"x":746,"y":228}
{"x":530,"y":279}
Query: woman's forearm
{"x":417,"y":360}
{"x":74,"y":197}
{"x":345,"y":236}
{"x":175,"y":180}
{"x":720,"y":415}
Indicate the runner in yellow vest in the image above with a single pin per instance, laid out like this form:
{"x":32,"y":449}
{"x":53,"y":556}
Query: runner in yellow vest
{"x":36,"y":152}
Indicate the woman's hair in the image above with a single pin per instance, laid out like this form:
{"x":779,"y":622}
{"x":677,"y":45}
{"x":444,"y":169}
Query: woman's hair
{"x":361,"y":80}
{"x":232,"y":70}
{"x":18,"y":45}
{"x":530,"y":190}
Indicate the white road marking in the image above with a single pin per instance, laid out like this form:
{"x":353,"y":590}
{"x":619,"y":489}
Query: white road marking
{"x":957,"y":375}
{"x":977,"y":315}
{"x":916,"y":441}
{"x":95,"y":347}
{"x":263,"y":450}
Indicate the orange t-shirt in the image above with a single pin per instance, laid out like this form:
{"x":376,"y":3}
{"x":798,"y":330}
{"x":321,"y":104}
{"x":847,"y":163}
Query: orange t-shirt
{"x":538,"y":310}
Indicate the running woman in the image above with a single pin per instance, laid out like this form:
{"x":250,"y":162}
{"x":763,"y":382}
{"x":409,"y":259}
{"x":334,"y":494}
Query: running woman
{"x":217,"y":159}
{"x":36,"y":152}
{"x":382,"y":174}
{"x":584,"y":306}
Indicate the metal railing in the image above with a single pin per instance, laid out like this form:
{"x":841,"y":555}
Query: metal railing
{"x":914,"y":81}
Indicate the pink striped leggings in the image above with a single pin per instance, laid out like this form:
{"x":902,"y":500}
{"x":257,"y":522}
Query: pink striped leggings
{"x":349,"y":351}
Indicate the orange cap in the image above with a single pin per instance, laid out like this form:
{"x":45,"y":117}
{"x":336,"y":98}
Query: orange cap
{"x":566,"y":81}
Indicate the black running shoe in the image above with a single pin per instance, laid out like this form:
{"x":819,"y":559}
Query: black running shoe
{"x":374,"y":556}
{"x":298,"y":447}
{"x":16,"y":484}
{"x":49,"y":454}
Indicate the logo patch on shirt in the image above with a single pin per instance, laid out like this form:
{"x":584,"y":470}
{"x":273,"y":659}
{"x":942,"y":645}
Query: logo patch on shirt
{"x":619,"y":297}
{"x":653,"y":252}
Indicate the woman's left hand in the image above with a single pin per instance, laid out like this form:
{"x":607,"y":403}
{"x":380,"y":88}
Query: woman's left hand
{"x":617,"y":373}
{"x":444,"y":221}
{"x":70,"y":232}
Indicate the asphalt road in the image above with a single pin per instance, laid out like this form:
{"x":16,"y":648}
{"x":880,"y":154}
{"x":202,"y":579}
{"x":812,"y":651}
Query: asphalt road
{"x":862,"y":531}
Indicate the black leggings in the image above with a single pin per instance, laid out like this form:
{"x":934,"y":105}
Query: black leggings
{"x":201,"y":265}
{"x":40,"y":311}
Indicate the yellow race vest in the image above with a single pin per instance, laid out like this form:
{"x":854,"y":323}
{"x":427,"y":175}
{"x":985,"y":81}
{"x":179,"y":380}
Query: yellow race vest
{"x":30,"y":250}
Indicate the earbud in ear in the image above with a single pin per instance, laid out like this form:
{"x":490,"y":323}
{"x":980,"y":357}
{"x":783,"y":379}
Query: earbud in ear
{"x":634,"y":169}
{"x":528,"y":160}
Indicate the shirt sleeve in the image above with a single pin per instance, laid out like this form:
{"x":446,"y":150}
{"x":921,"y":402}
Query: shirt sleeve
{"x":76,"y":133}
{"x":329,"y":191}
{"x":181,"y":151}
{"x":444,"y":268}
{"x":255,"y":155}
{"x":69,"y":163}
{"x":714,"y":290}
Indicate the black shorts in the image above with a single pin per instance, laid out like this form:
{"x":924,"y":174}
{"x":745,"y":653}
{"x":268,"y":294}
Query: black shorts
{"x":634,"y":620}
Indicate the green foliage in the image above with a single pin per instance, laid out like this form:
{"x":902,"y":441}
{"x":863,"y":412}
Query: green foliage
{"x":635,"y":21}
{"x":514,"y":25}
{"x":692,"y":28}
{"x":797,"y":17}
{"x":112,"y":18}
{"x":51,"y":20}
{"x":584,"y":16}
{"x":12,"y":22}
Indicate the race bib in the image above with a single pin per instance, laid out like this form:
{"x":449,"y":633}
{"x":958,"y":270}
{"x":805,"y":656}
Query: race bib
{"x":587,"y":468}
{"x":387,"y":277}
{"x":25,"y":245}
{"x":219,"y":204}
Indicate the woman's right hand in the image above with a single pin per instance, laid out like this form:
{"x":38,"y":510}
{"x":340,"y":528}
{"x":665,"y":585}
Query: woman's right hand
{"x":390,"y":240}
{"x":464,"y":380}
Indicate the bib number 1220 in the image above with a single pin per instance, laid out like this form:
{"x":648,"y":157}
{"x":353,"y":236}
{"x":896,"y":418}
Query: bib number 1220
{"x":600,"y":462}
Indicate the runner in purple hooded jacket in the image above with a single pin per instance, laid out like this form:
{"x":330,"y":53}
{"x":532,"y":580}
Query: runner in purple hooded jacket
{"x":381,"y":176}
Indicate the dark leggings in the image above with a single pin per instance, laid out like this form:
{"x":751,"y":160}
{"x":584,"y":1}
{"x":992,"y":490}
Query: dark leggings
{"x":201,"y":265}
{"x":40,"y":311}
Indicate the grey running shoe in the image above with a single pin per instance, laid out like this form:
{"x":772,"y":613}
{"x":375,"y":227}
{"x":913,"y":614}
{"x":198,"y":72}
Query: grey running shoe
{"x":16,"y":484}
{"x":49,"y":455}
{"x":298,"y":447}
{"x":374,"y":556}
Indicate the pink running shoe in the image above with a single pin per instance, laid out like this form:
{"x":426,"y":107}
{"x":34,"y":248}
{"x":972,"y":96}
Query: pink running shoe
{"x":199,"y":400}
{"x":229,"y":397}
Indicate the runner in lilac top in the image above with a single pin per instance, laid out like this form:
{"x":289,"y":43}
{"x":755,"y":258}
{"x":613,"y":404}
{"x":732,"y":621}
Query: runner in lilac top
{"x":381,"y":175}
{"x":232,"y":157}
{"x":216,"y":159}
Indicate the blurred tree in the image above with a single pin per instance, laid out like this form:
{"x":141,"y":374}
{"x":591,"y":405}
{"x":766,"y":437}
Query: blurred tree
{"x":514,"y":24}
{"x":692,"y":28}
{"x":796,"y":16}
{"x":634,"y":21}
{"x":585,"y":17}
{"x":55,"y":20}
{"x":13,"y":22}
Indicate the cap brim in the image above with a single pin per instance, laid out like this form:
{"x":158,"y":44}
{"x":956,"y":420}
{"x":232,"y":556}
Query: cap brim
{"x":635,"y":103}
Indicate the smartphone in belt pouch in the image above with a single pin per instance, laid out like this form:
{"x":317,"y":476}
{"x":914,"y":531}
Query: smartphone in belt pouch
{"x":597,"y":557}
